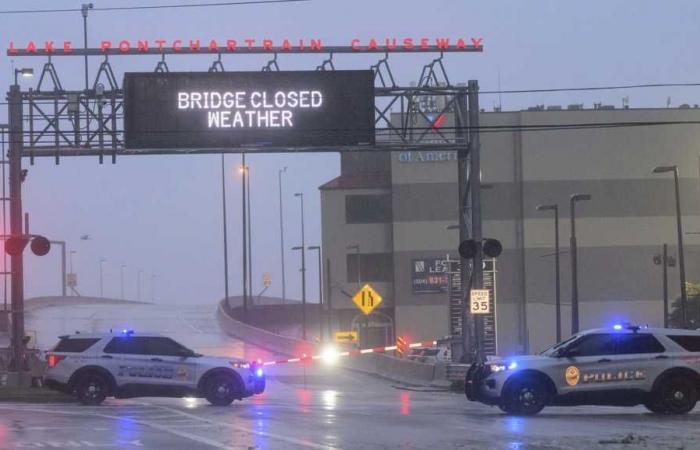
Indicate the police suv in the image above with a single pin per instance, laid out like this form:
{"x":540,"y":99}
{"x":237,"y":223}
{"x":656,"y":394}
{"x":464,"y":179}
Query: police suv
{"x":620,"y":366}
{"x":126,"y":364}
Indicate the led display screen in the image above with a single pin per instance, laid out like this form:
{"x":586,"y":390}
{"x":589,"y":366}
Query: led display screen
{"x":244,"y":109}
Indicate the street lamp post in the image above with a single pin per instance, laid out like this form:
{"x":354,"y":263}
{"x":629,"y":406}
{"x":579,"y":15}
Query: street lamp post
{"x":284,"y":284}
{"x":225,"y":230}
{"x":679,"y":226}
{"x":245,"y":240}
{"x":557,"y":302}
{"x":138,"y":284}
{"x":574,"y":262}
{"x":303,"y":265}
{"x":121,"y":280}
{"x":320,"y":290}
{"x":26,"y":72}
{"x":250,"y":234}
{"x":102,"y":261}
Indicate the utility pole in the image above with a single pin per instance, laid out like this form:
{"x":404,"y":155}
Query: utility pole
{"x":250,"y":234}
{"x":16,"y":261}
{"x":303,"y":268}
{"x":664,"y":261}
{"x":475,"y":191}
{"x":123,"y":266}
{"x":329,"y":299}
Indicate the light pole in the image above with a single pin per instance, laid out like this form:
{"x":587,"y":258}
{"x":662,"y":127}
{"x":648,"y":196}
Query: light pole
{"x":245,"y":240}
{"x":225,"y":230}
{"x":84,"y":11}
{"x":63,"y":265}
{"x":284,"y":285}
{"x":303,"y":265}
{"x":320,"y":290}
{"x":357,"y":257}
{"x":102,"y":261}
{"x":679,"y":226}
{"x":123,"y":266}
{"x":557,"y":296}
{"x":26,"y":72}
{"x":574,"y":262}
{"x":250,"y":234}
{"x":153,"y":288}
{"x":138,"y":284}
{"x":74,"y":278}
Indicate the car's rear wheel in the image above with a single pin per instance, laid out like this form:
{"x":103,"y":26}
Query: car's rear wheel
{"x":676,"y":395}
{"x":92,"y":389}
{"x":221,"y":390}
{"x":525,"y":396}
{"x":655,"y":407}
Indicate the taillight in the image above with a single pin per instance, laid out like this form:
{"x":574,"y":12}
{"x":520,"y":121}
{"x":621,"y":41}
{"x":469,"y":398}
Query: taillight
{"x":52,"y":359}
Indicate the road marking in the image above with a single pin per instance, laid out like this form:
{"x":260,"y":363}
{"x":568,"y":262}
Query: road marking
{"x":276,"y":436}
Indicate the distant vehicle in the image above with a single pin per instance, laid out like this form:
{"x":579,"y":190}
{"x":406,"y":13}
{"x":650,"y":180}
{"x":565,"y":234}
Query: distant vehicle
{"x":429,"y":355}
{"x":620,"y":366}
{"x":126,"y":365}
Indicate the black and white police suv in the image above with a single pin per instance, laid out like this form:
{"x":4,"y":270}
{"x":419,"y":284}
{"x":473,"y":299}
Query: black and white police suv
{"x":127,"y":364}
{"x":619,"y":366}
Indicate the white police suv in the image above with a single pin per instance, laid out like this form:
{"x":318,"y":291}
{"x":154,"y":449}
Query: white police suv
{"x":127,"y":364}
{"x":620,"y":366}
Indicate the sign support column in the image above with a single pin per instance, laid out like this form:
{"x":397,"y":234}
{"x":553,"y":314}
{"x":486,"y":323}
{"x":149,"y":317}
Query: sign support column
{"x":475,"y":191}
{"x":16,"y":261}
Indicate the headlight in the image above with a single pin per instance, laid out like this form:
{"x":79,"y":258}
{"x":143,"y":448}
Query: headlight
{"x":499,"y":367}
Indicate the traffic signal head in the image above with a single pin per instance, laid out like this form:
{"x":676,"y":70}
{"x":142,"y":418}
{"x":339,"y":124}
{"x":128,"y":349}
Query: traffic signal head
{"x":40,"y":246}
{"x":492,"y":248}
{"x":15,"y":245}
{"x":467,"y":249}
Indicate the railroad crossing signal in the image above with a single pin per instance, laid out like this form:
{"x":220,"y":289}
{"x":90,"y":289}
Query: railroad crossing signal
{"x":367,"y":299}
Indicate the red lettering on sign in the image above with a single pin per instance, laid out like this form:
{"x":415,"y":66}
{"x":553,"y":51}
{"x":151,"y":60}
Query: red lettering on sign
{"x":213,"y":45}
{"x":160,"y":43}
{"x":67,"y":48}
{"x":250,"y":42}
{"x":124,"y":46}
{"x":11,"y":48}
{"x":177,"y":45}
{"x":461,"y":44}
{"x":390,"y":44}
{"x":442,"y":42}
{"x":31,"y":47}
{"x":142,"y":46}
{"x":267,"y":44}
{"x":195,"y":45}
{"x":408,"y":43}
{"x":477,"y":42}
{"x":105,"y":45}
{"x":48,"y":46}
{"x":424,"y":42}
{"x":286,"y":45}
{"x":231,"y":45}
{"x":372,"y":44}
{"x":315,"y":44}
{"x":355,"y":44}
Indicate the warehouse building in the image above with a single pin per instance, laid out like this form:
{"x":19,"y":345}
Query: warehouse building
{"x":388,"y":220}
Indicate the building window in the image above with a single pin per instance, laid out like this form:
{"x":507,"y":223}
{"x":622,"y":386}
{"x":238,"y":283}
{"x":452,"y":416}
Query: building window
{"x":373,"y":267}
{"x":368,"y":208}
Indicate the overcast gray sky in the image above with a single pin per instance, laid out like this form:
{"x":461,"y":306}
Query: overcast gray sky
{"x":163,"y":214}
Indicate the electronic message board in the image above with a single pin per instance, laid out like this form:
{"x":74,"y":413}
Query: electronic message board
{"x":235,"y":109}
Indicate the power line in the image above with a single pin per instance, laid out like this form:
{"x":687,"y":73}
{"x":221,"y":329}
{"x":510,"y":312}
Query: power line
{"x":142,"y":7}
{"x":591,"y":88}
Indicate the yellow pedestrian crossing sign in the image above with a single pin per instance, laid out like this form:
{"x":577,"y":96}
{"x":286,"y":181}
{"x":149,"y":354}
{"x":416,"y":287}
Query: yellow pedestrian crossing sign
{"x":367,"y":299}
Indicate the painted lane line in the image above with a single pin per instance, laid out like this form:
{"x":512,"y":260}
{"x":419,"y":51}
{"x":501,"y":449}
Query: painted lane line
{"x":182,"y":434}
{"x":275,"y":436}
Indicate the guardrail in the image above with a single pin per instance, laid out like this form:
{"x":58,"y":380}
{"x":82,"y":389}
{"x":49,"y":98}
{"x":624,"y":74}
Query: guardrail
{"x":456,"y":372}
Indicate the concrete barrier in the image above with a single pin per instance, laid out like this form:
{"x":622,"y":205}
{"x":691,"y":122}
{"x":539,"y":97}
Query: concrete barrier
{"x":381,"y":364}
{"x":267,"y":340}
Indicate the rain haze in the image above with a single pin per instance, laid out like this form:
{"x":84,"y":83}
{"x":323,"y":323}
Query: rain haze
{"x":162,"y":214}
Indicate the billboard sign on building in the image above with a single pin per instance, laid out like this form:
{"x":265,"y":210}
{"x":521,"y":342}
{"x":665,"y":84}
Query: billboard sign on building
{"x":244,"y":109}
{"x":429,"y":276}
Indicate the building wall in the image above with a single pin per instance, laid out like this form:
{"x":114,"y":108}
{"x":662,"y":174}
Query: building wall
{"x":632,"y":212}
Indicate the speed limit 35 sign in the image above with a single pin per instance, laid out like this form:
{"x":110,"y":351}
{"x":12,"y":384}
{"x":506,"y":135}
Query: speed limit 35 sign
{"x":479,"y":301}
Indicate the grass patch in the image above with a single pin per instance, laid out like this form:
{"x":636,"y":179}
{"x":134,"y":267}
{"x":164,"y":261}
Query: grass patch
{"x":33,"y":395}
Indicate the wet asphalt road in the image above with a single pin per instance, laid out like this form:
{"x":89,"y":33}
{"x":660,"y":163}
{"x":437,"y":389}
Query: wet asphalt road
{"x":326,"y":408}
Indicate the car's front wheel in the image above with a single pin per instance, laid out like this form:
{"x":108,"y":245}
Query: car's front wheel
{"x":676,"y":395}
{"x":221,"y":390}
{"x":525,"y":396}
{"x":92,"y":389}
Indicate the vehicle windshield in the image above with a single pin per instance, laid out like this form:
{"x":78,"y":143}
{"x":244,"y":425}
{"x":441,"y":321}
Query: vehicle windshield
{"x":556,"y":347}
